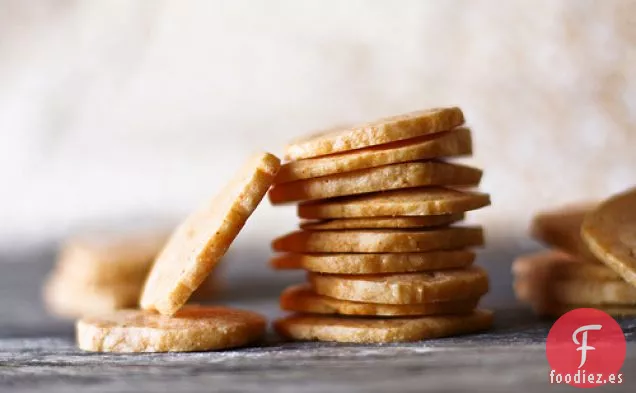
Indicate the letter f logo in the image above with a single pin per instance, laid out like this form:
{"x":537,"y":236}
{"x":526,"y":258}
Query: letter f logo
{"x":584,"y":347}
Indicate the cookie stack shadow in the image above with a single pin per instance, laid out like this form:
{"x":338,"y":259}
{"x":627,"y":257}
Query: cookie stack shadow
{"x":379,"y":238}
{"x":569,"y":275}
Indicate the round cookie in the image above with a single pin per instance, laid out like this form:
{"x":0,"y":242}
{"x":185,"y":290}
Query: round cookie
{"x":302,"y":299}
{"x":406,"y":288}
{"x":388,"y":177}
{"x":576,"y":291}
{"x":561,"y":228}
{"x":378,"y":132}
{"x":380,"y":240}
{"x":383,"y":222}
{"x":610,"y":233}
{"x":376,"y":330}
{"x":423,"y":201}
{"x":444,"y":144}
{"x":192,"y":328}
{"x":374,"y":263}
{"x":202,"y":239}
{"x":555,"y":265}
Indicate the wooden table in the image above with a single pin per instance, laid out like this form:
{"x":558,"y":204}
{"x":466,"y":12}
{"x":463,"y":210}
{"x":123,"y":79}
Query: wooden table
{"x":37,"y":352}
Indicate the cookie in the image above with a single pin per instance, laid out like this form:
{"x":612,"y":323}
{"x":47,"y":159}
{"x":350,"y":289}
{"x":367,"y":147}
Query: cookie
{"x":576,"y":292}
{"x":109,"y":257}
{"x":409,"y":202}
{"x":301,"y":298}
{"x":202,"y":239}
{"x":388,"y":177}
{"x":555,"y":265}
{"x":192,"y":328}
{"x":375,"y":330}
{"x":380,"y":240}
{"x":390,"y":129}
{"x":405,"y":288}
{"x":374,"y":263}
{"x":446,"y":144}
{"x":71,"y":299}
{"x":561,"y":228}
{"x":383,"y":222}
{"x":610,"y":233}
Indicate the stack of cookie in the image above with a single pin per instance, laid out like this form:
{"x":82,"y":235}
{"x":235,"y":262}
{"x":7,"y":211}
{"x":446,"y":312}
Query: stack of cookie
{"x":578,"y":271}
{"x":377,"y":239}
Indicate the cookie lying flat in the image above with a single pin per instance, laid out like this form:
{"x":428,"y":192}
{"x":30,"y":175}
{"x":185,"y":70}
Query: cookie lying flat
{"x":378,"y":132}
{"x":111,"y":257}
{"x":446,"y":144}
{"x":383,"y":222}
{"x":302,"y":299}
{"x":555,"y":265}
{"x":373,"y":263}
{"x":409,"y":202}
{"x":366,"y":330}
{"x":198,"y":243}
{"x":192,"y":328}
{"x":406,"y":288}
{"x":610,"y":233}
{"x":380,"y":240}
{"x":388,"y":177}
{"x":561,"y":228}
{"x":576,"y":292}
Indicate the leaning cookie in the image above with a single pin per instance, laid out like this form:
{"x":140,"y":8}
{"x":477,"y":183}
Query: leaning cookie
{"x":202,"y":239}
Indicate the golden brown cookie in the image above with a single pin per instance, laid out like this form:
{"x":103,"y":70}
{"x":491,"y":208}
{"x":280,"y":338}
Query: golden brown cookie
{"x":69,"y":298}
{"x":302,"y":299}
{"x":192,"y":328}
{"x":575,"y":291}
{"x":375,"y":330}
{"x":203,"y":238}
{"x":556,"y":265}
{"x":561,"y":228}
{"x":110,"y":257}
{"x":610,"y":233}
{"x":444,"y":144}
{"x":423,"y":201}
{"x":374,"y":263}
{"x":388,"y":177}
{"x":380,"y":240}
{"x":405,"y":288}
{"x":390,"y":129}
{"x":383,"y":222}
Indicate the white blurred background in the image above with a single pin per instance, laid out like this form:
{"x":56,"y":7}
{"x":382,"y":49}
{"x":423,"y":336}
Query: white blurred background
{"x":111,"y":110}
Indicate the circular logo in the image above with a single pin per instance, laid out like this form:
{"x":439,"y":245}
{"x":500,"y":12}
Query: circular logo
{"x":586,"y":348}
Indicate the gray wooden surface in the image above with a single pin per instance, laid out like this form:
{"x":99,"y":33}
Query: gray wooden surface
{"x":37,"y":352}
